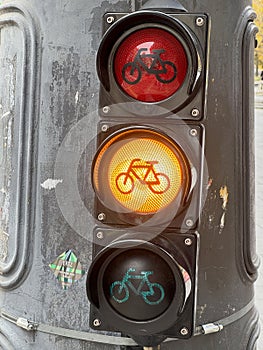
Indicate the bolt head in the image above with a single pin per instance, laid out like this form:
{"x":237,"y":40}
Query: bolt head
{"x":101,"y":216}
{"x":184,"y":331}
{"x":188,"y":241}
{"x":106,"y":109}
{"x":104,"y":127}
{"x":96,"y":322}
{"x":195,"y":112}
{"x":189,"y":223}
{"x":100,"y":235}
{"x":193,"y":132}
{"x":110,"y":19}
{"x":200,"y":21}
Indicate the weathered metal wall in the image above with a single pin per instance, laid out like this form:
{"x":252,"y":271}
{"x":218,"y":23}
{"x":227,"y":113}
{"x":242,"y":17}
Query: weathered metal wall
{"x":49,"y":93}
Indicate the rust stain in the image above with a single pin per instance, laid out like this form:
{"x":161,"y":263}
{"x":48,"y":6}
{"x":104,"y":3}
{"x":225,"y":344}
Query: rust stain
{"x":209,"y":184}
{"x":224,"y":195}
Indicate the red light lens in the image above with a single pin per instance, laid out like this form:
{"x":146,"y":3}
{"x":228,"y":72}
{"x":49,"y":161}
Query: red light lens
{"x":150,"y":65}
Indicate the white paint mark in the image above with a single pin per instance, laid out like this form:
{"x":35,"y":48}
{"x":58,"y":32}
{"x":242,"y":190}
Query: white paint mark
{"x":211,"y":218}
{"x":77,"y":97}
{"x":49,"y":184}
{"x":222,"y":221}
{"x":2,"y":190}
{"x":202,"y":309}
{"x":224,"y":196}
{"x":6,"y":114}
{"x":1,"y":107}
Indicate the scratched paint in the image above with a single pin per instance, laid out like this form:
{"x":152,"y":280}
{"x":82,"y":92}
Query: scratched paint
{"x":50,"y":184}
{"x":224,"y":196}
{"x":9,"y":61}
{"x":3,"y":245}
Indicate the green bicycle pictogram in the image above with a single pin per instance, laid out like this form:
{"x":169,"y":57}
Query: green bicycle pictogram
{"x":119,"y":290}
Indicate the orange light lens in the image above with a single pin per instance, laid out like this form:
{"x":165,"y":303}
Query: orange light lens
{"x":140,"y":169}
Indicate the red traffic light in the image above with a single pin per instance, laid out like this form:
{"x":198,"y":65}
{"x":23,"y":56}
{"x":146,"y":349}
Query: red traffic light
{"x":153,"y":59}
{"x":150,"y":64}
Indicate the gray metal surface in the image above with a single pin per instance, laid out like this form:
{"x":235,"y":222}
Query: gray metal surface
{"x":48,"y":116}
{"x":259,"y":205}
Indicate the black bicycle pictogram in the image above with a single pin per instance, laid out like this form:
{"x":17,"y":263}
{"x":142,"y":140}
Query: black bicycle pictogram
{"x":158,"y":183}
{"x":132,"y":71}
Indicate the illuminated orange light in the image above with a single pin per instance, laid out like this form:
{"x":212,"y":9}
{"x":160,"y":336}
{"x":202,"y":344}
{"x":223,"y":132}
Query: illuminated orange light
{"x":141,"y":168}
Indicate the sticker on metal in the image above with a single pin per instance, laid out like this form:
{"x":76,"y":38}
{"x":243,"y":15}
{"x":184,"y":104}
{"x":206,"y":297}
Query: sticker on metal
{"x":67,"y":269}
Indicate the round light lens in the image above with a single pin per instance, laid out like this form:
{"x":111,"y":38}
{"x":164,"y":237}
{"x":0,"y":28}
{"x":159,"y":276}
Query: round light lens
{"x":140,"y":170}
{"x":150,"y":65}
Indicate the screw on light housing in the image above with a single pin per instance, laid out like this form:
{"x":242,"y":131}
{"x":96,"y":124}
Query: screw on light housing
{"x":104,"y":127}
{"x":110,"y":19}
{"x":189,"y":223}
{"x":96,"y":322}
{"x":106,"y":109}
{"x":193,"y":132}
{"x":100,"y":235}
{"x":195,"y":112}
{"x":200,"y":21}
{"x":188,"y":241}
{"x":184,"y":331}
{"x":101,"y":216}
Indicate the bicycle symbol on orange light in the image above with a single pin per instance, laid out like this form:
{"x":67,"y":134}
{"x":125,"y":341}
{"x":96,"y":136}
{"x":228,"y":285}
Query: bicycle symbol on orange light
{"x":132,"y":71}
{"x":158,"y":183}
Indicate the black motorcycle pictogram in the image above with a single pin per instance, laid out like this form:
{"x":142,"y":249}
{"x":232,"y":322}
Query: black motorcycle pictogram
{"x":132,"y":71}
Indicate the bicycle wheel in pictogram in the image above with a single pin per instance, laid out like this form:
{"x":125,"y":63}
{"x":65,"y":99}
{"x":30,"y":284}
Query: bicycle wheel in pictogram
{"x":124,"y":183}
{"x":119,"y":292}
{"x":157,"y":296}
{"x":131,"y":73}
{"x":168,"y":74}
{"x":163,"y":184}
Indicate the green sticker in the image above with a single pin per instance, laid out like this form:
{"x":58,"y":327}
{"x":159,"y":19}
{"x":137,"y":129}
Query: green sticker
{"x":67,"y":269}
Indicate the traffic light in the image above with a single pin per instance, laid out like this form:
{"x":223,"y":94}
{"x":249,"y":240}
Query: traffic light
{"x":154,"y":58}
{"x":148,"y":174}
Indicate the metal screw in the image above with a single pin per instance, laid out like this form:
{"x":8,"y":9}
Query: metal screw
{"x":106,"y":109}
{"x":195,"y":112}
{"x":96,"y":322}
{"x":184,"y":331}
{"x":193,"y":132}
{"x":100,"y":235}
{"x":200,"y":21}
{"x":104,"y":127}
{"x":110,"y":19}
{"x":101,"y":216}
{"x":188,"y":241}
{"x":189,"y":223}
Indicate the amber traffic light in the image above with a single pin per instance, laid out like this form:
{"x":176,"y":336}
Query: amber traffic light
{"x":140,"y":170}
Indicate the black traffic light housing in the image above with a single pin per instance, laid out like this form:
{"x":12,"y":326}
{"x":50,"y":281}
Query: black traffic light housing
{"x":180,"y":214}
{"x":188,"y":102}
{"x":143,"y":277}
{"x":174,"y":257}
